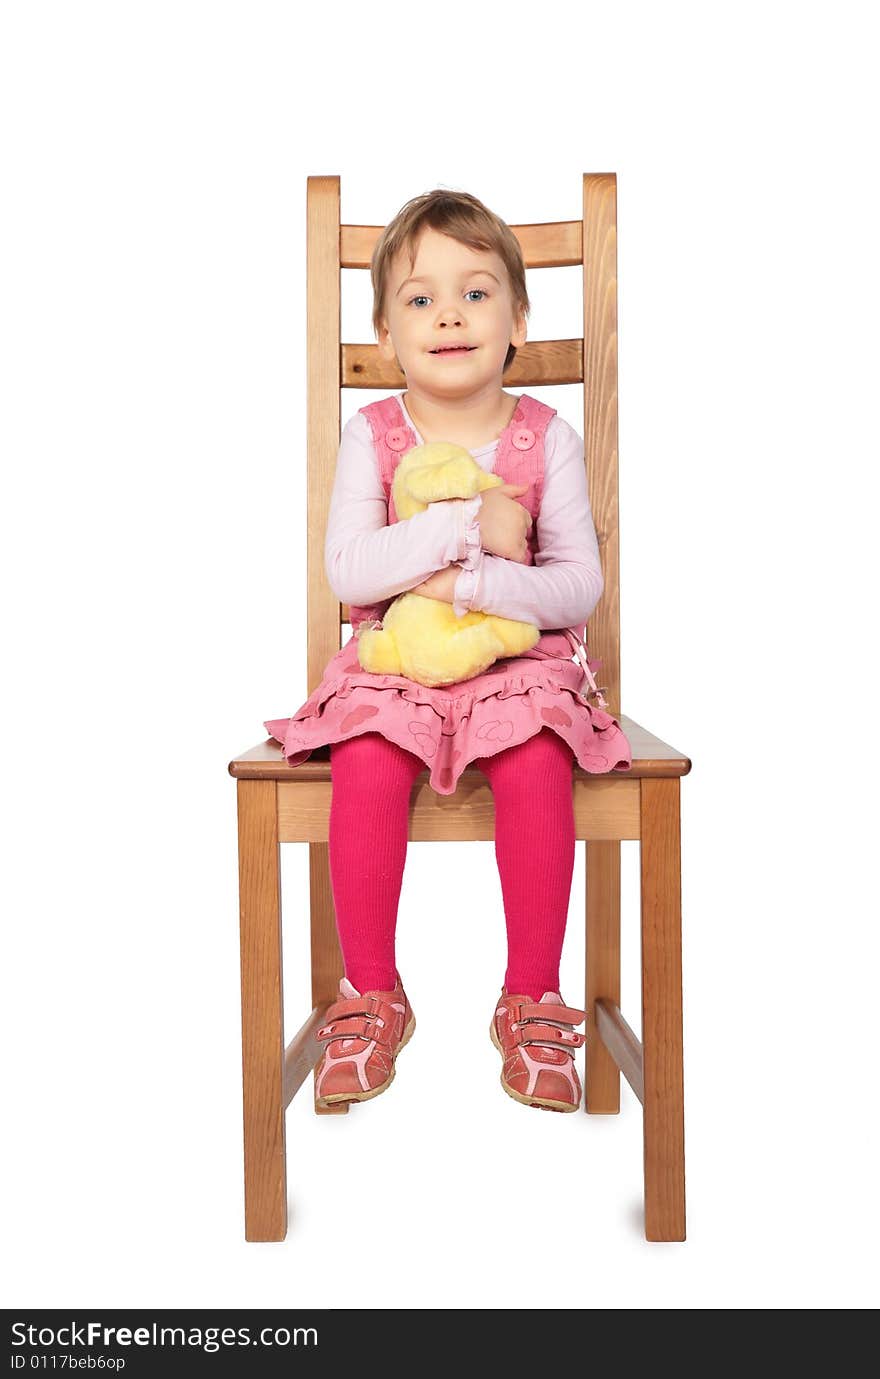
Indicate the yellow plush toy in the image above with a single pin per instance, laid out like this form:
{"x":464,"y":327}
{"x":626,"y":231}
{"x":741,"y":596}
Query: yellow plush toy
{"x":421,"y":637}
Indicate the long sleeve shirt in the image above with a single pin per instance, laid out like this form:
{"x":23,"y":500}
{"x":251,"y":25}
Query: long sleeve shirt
{"x":368,"y":561}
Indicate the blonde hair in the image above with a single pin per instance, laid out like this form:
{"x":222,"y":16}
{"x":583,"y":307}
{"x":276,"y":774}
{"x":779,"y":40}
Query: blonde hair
{"x":462,"y":217}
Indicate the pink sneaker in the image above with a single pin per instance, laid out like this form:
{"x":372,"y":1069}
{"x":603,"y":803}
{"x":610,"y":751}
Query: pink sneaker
{"x":537,"y":1043}
{"x":363,"y":1034}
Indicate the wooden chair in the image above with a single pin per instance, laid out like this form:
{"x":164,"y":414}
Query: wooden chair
{"x":282,"y":804}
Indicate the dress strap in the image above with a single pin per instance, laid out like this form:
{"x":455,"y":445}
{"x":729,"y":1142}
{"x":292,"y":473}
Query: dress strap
{"x":580,"y":652}
{"x":533,"y":415}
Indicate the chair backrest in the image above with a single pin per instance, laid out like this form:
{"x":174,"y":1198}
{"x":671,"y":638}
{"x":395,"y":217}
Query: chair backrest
{"x":591,"y":360}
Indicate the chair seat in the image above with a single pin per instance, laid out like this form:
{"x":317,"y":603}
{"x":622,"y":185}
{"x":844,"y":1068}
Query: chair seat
{"x":650,"y":757}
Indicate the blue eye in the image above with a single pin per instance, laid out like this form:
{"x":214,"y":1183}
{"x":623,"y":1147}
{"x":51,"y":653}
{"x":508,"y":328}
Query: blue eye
{"x":422,"y":298}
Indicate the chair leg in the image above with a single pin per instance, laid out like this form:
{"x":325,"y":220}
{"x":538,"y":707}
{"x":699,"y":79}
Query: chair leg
{"x":660,"y":850}
{"x":262,"y":1012}
{"x":327,"y":964}
{"x":602,"y":1082}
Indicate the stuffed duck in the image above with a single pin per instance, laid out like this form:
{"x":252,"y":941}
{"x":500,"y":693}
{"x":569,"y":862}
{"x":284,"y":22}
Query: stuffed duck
{"x":422,"y":638}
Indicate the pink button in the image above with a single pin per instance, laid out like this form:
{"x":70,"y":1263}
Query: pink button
{"x":396,"y":439}
{"x":523,"y":439}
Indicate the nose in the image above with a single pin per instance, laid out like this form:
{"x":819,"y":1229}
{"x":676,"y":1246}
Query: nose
{"x":451,"y":314}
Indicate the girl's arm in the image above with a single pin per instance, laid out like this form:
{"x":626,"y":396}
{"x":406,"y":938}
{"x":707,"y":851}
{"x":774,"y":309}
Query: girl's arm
{"x":367,"y":561}
{"x":564,"y":585}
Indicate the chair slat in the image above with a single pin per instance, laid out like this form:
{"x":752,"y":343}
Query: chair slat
{"x":603,"y":809}
{"x":553,"y":244}
{"x":537,"y":362}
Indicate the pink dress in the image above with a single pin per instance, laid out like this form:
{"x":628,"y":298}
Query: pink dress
{"x":452,"y":725}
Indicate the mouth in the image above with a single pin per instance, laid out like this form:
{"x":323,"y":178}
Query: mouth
{"x":453,"y":349}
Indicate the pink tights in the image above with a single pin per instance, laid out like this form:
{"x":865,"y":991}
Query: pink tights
{"x":531,"y":784}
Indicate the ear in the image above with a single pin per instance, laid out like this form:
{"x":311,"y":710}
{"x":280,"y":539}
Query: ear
{"x":384,"y":343}
{"x":518,"y":334}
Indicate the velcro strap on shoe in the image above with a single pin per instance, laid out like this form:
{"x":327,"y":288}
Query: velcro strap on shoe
{"x":535,"y":1032}
{"x":542,"y":1011}
{"x":356,"y":1027}
{"x":361,"y":1005}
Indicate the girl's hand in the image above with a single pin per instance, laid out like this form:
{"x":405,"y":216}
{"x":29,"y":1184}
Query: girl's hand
{"x":504,"y":523}
{"x":440,"y":585}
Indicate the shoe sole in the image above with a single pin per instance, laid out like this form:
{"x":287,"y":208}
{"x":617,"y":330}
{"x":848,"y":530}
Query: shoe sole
{"x":541,"y":1103}
{"x":334,"y":1098}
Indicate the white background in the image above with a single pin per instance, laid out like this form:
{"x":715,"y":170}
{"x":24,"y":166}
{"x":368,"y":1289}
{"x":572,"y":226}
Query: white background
{"x":154,"y":166}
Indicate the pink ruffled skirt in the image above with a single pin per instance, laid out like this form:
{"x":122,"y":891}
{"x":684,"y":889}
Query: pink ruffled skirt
{"x":450,"y":727}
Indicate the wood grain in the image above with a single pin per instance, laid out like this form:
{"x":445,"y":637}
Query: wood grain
{"x":551,"y":244}
{"x":323,"y":406}
{"x":327,"y":964}
{"x":538,"y":363}
{"x":662,"y":1011}
{"x":600,"y":416}
{"x":262,"y":1013}
{"x":302,"y":1053}
{"x":622,"y":1044}
{"x":602,"y":953}
{"x":602,"y":809}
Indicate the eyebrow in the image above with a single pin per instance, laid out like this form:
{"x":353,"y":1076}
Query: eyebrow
{"x":426,"y":278}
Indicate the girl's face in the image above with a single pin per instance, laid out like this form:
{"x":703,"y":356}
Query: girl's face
{"x":453,"y":295}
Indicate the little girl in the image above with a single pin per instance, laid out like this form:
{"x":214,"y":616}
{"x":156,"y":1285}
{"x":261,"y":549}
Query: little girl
{"x":450,"y":304}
